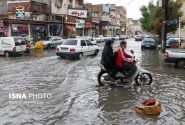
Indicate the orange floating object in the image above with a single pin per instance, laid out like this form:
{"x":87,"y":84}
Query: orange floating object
{"x":149,"y":107}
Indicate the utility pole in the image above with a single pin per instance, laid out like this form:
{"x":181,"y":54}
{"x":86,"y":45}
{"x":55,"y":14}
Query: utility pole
{"x":165,"y":18}
{"x":179,"y":32}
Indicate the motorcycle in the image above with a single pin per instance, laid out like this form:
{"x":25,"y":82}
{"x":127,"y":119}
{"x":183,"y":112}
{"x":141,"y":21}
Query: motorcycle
{"x":141,"y":76}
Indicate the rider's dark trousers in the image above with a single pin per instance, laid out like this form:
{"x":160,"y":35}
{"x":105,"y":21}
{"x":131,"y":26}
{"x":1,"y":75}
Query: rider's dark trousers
{"x":130,"y":69}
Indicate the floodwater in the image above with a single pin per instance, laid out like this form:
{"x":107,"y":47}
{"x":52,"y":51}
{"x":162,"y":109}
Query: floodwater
{"x":73,"y":96}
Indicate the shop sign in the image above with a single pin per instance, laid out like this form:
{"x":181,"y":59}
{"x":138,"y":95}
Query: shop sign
{"x":68,"y":27}
{"x":106,"y":8}
{"x":80,"y":23}
{"x":70,"y":19}
{"x":20,"y":12}
{"x":1,"y":26}
{"x":88,"y":25}
{"x":106,"y":18}
{"x":78,"y":13}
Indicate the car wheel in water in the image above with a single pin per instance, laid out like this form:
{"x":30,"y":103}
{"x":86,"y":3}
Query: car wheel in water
{"x":96,"y":52}
{"x":7,"y":54}
{"x":143,"y":79}
{"x":180,"y":63}
{"x":80,"y":56}
{"x":48,"y":46}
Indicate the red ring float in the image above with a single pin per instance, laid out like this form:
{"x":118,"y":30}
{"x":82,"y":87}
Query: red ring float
{"x":149,"y":107}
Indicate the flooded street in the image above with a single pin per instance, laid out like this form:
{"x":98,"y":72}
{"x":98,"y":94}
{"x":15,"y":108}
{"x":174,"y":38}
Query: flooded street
{"x":76,"y":97}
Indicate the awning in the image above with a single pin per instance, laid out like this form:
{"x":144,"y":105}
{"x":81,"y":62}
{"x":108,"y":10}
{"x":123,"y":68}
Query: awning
{"x":105,"y":23}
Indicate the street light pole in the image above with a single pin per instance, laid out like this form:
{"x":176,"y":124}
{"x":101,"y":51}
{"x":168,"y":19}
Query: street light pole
{"x":165,"y":18}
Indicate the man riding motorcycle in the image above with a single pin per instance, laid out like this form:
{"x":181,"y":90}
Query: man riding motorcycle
{"x":124,"y":61}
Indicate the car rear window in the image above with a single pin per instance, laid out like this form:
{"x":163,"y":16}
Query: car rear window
{"x":70,"y":42}
{"x":19,"y":41}
{"x":149,"y":39}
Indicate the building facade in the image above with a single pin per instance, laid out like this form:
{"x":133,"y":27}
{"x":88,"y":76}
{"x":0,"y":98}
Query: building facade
{"x":66,"y":18}
{"x":122,"y":13}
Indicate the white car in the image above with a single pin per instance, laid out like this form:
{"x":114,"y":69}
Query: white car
{"x":76,"y":48}
{"x":93,"y":41}
{"x":99,"y":38}
{"x":52,"y":41}
{"x":10,"y":46}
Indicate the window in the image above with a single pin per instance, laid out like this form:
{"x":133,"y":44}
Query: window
{"x":94,"y":14}
{"x":5,"y":42}
{"x":70,"y":42}
{"x":89,"y":43}
{"x":83,"y":43}
{"x":19,"y":41}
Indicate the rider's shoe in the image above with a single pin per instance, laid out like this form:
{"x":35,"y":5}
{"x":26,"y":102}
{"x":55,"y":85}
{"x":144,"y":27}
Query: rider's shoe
{"x":127,"y":81}
{"x":108,"y":78}
{"x":111,"y":79}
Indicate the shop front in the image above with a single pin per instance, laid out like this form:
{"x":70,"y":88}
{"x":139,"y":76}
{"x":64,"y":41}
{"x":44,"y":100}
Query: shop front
{"x":3,"y":31}
{"x":31,"y":29}
{"x":80,"y":26}
{"x":88,"y":29}
{"x":19,"y":30}
{"x":38,"y":31}
{"x":56,"y":29}
{"x":70,"y":27}
{"x":95,"y":28}
{"x":105,"y":28}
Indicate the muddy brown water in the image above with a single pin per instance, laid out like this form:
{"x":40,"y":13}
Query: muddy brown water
{"x":76,"y":97}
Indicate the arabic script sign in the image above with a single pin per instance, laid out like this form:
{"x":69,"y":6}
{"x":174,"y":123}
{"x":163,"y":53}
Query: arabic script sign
{"x":78,"y":13}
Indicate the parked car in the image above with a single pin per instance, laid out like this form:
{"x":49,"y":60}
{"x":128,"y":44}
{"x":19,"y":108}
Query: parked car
{"x":176,"y":56}
{"x":12,"y":46}
{"x":172,"y":40}
{"x":93,"y":41}
{"x":108,"y":38}
{"x":76,"y":48}
{"x":116,"y":37}
{"x":149,"y":43}
{"x":122,"y":37}
{"x":138,"y":38}
{"x":52,"y":41}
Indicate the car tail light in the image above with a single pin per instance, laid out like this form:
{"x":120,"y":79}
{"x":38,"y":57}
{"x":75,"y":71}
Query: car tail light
{"x":72,"y":50}
{"x":166,"y":54}
{"x":14,"y":49}
{"x":57,"y":49}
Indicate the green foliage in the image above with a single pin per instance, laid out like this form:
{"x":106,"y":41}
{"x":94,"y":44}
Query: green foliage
{"x":152,"y":20}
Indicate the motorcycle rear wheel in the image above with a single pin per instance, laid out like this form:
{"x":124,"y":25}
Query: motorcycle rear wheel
{"x":143,"y":79}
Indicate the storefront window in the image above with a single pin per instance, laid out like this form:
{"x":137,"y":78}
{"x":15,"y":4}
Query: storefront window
{"x":38,"y":32}
{"x":19,"y":30}
{"x":55,"y":30}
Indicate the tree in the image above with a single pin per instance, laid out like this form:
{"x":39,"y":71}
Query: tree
{"x":152,"y":20}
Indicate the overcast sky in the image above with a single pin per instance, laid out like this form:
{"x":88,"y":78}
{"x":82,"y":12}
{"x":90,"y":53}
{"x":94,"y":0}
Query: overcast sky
{"x":132,"y":6}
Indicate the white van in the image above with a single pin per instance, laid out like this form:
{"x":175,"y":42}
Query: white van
{"x":11,"y":46}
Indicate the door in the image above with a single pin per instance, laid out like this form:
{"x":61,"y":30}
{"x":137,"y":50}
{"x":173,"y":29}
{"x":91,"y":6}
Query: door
{"x":54,"y":42}
{"x":59,"y":41}
{"x":1,"y":49}
{"x":84,"y":47}
{"x":91,"y":49}
{"x":6,"y":44}
{"x":20,"y":44}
